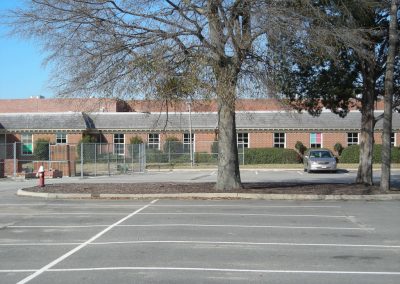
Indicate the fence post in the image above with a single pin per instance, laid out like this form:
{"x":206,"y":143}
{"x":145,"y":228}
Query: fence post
{"x":49,"y":156}
{"x":132,"y":152}
{"x":82,"y":145}
{"x":15,"y":159}
{"x":108,"y":159}
{"x":169,"y":152}
{"x":95,"y":159}
{"x":143,"y":158}
{"x":124,"y":168}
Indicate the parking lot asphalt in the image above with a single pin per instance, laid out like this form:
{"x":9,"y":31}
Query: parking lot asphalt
{"x":210,"y":175}
{"x":197,"y":241}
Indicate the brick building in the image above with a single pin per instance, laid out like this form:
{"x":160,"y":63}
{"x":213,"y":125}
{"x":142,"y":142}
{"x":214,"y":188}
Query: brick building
{"x":260,"y":123}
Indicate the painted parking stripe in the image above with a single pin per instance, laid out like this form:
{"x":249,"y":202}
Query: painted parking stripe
{"x":253,"y":244}
{"x":196,"y":225}
{"x":375,"y":246}
{"x":221,"y":214}
{"x":254,"y":226}
{"x":170,"y":205}
{"x":171,"y":213}
{"x":202,"y":269}
{"x":82,"y":245}
{"x":246,"y":214}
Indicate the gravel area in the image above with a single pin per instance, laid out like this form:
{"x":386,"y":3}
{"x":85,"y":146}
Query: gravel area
{"x":170,"y":187}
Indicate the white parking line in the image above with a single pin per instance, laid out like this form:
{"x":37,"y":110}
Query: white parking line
{"x":67,"y":213}
{"x":202,"y":269}
{"x":252,"y":244}
{"x":252,"y":226}
{"x":71,"y":252}
{"x":241,"y":244}
{"x":248,"y":206}
{"x":246,"y":214}
{"x":170,"y":205}
{"x":166,"y":213}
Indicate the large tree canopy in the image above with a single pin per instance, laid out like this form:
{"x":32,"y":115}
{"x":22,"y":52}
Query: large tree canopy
{"x":217,"y":47}
{"x":337,"y":82}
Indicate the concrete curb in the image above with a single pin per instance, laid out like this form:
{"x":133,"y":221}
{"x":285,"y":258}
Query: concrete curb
{"x":254,"y":196}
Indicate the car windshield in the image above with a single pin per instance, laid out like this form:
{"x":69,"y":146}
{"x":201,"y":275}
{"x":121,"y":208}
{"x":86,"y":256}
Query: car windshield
{"x":320,"y":154}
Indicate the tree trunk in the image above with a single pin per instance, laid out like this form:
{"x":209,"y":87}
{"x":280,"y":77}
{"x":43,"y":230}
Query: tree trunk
{"x":228,"y":161}
{"x":387,"y":116}
{"x":364,"y":174}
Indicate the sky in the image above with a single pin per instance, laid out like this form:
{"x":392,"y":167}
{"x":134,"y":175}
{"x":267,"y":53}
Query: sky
{"x":22,"y":73}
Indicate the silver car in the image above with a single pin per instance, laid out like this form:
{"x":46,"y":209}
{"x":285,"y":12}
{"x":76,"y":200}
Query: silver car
{"x":319,"y":160}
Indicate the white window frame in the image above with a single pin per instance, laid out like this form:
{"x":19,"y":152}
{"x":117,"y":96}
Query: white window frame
{"x":23,"y":139}
{"x":241,"y":142}
{"x":394,"y":139}
{"x":153,"y":141}
{"x":358,"y":138}
{"x":279,"y":143}
{"x":118,"y":149}
{"x":186,"y":141}
{"x":322,"y":140}
{"x":61,"y":138}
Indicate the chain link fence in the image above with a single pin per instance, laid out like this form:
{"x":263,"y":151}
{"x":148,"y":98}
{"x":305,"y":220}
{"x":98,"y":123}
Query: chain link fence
{"x":99,"y":159}
{"x":110,"y":159}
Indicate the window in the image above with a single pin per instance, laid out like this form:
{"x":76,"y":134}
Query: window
{"x":119,"y":144}
{"x":27,"y":145}
{"x":186,"y":142}
{"x":315,"y":140}
{"x":393,"y":139}
{"x":61,"y":138}
{"x":279,"y":140}
{"x":352,"y":138}
{"x":153,"y":141}
{"x":243,"y":140}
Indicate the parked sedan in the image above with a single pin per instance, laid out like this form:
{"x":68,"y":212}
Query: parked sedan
{"x":319,"y":160}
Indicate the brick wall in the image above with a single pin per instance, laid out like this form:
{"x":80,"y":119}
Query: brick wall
{"x":57,"y":105}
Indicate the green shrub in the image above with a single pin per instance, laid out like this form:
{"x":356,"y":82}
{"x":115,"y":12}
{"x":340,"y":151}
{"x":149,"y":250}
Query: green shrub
{"x":88,"y":150}
{"x":300,"y":147}
{"x":156,"y":156}
{"x":271,"y":156}
{"x":205,"y":158}
{"x":172,"y":145}
{"x":351,"y":154}
{"x":41,"y":150}
{"x":214,"y":149}
{"x":338,"y":148}
{"x":136,"y":140}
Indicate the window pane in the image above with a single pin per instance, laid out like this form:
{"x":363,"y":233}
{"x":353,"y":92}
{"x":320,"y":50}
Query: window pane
{"x":119,"y":144}
{"x":61,"y":138}
{"x":153,"y":141}
{"x":243,"y":140}
{"x":279,"y":140}
{"x":27,"y":145}
{"x":352,"y":138}
{"x":315,"y":140}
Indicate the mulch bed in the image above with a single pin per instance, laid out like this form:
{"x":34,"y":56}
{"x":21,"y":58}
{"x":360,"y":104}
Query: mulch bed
{"x":170,"y":187}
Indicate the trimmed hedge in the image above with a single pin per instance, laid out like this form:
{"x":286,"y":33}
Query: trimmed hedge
{"x":271,"y":156}
{"x":351,"y":154}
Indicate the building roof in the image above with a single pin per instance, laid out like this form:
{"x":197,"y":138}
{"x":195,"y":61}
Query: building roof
{"x":67,"y":121}
{"x":131,"y":121}
{"x":244,"y":121}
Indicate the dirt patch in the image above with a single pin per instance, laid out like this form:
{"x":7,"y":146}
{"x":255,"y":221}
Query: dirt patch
{"x":170,"y":187}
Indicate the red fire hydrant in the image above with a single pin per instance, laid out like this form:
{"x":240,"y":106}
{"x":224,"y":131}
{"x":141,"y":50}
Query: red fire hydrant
{"x":41,"y":176}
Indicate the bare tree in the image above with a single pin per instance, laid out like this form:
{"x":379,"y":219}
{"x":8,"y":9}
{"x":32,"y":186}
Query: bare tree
{"x":124,"y":48}
{"x":388,"y":98}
